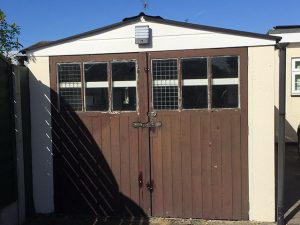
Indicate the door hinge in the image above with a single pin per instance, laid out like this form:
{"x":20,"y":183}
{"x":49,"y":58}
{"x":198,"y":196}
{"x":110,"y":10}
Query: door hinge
{"x":140,"y":179}
{"x":150,"y":186}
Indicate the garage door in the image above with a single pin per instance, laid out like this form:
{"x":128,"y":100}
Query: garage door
{"x":151,"y":134}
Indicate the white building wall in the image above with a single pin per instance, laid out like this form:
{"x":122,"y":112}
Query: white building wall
{"x":164,"y":37}
{"x":42,"y":168}
{"x":261,"y":76}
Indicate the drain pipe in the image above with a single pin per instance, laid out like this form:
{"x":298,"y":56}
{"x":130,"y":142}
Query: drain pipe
{"x":281,"y":135}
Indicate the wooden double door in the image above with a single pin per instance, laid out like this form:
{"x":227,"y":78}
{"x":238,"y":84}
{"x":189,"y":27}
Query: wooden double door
{"x":166,"y":145}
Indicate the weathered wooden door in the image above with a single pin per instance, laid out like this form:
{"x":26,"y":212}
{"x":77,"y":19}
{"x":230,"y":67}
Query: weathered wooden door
{"x":169,"y":139}
{"x":100,"y":160}
{"x":199,"y":150}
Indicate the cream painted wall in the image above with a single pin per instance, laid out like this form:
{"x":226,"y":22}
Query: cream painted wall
{"x":165,"y":37}
{"x":261,"y":73}
{"x":42,"y":168}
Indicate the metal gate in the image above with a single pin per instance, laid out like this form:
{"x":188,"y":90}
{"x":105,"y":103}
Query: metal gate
{"x":167,"y":136}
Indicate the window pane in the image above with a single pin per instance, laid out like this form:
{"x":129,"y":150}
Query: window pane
{"x":96,"y":99}
{"x":194,"y":97}
{"x":124,"y":98}
{"x":297,"y":64}
{"x":123,"y":71}
{"x":165,"y":97}
{"x":69,"y":73}
{"x":164,"y":69}
{"x":224,"y":67}
{"x":124,"y":86}
{"x":225,"y":96}
{"x":69,"y":78}
{"x":297,"y":82}
{"x":195,"y":68}
{"x":165,"y":84}
{"x":95,"y":72}
{"x":96,"y":87}
{"x":70,"y":99}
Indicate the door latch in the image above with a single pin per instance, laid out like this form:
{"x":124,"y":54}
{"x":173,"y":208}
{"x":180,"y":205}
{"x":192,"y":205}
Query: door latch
{"x":150,"y":186}
{"x":150,"y":124}
{"x":140,"y":179}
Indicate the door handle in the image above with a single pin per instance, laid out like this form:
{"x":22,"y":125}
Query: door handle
{"x":150,"y":124}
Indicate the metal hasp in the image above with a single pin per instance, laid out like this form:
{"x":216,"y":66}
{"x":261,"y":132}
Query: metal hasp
{"x":150,"y":124}
{"x":150,"y":186}
{"x":281,"y":135}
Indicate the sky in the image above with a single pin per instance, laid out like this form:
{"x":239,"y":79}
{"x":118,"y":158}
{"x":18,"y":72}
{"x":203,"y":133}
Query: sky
{"x":42,"y":20}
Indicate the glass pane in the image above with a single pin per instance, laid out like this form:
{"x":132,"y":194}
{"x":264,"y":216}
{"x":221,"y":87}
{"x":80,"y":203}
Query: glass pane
{"x":69,"y":73}
{"x":297,"y":64}
{"x":95,"y":72}
{"x":225,"y":96}
{"x":225,"y":67}
{"x":165,"y":97}
{"x":70,"y":99}
{"x":124,"y":98}
{"x":297,"y":82}
{"x":164,"y":69}
{"x":96,"y":95}
{"x":123,"y":71}
{"x":96,"y":99}
{"x":195,"y":68}
{"x":194,"y":97}
{"x":69,"y":78}
{"x":165,"y":84}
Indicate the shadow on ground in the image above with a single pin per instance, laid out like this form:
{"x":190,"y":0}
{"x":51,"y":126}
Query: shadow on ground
{"x":292,"y":185}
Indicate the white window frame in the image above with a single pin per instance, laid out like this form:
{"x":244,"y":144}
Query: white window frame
{"x":295,"y":72}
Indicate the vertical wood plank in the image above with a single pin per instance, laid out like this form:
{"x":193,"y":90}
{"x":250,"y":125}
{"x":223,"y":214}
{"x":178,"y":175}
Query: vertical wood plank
{"x":96,"y":130}
{"x":206,"y":166}
{"x":176,"y":167}
{"x":186,"y":165}
{"x":115,"y":148}
{"x":244,"y":166}
{"x":236,"y":167}
{"x":226,"y":186}
{"x":134,"y":160}
{"x":124,"y":156}
{"x":167,"y":167}
{"x":106,"y":139}
{"x":196,"y":166}
{"x":157,"y":175}
{"x":216,"y":166}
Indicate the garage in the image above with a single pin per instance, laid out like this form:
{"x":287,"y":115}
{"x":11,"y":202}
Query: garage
{"x":150,"y":117}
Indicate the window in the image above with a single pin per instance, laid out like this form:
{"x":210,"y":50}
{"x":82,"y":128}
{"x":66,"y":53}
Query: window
{"x":194,"y":83}
{"x":96,"y":86}
{"x":95,"y":94}
{"x":296,"y":76}
{"x":165,"y":84}
{"x":69,"y":85}
{"x":225,"y":82}
{"x":124,"y":86}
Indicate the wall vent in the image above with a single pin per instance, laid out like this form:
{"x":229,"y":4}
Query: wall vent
{"x":142,"y":35}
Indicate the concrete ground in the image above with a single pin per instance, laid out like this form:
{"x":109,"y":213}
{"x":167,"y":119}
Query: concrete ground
{"x":77,"y":220}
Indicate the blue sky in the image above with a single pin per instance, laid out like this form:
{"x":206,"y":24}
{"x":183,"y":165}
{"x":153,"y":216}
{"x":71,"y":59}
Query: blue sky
{"x":55,"y":19}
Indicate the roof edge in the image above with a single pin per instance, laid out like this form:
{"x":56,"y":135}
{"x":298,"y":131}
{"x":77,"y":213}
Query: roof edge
{"x":157,"y":19}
